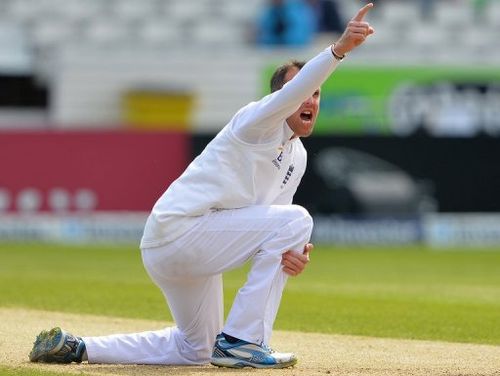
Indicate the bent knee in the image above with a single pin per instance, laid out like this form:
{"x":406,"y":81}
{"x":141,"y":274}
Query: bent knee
{"x":301,"y":214}
{"x":301,"y":211}
{"x":301,"y":221}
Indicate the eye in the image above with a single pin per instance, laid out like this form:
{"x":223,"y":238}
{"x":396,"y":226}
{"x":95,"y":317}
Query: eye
{"x":316,"y":93}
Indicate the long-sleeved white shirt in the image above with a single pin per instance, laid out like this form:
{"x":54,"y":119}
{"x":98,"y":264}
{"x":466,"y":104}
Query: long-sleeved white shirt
{"x":253,"y":160}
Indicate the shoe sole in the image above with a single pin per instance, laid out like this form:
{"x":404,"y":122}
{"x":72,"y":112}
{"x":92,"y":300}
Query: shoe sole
{"x":240,"y":363}
{"x":47,"y":343}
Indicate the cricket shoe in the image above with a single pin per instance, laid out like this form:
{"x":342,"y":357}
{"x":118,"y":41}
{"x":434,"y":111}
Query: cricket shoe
{"x":245,"y":354}
{"x":57,"y":346}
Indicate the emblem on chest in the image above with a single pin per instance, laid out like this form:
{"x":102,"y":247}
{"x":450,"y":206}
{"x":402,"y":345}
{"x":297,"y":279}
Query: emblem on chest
{"x":277,"y":161}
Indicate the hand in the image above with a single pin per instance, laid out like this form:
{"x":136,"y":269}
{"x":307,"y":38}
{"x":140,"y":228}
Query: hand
{"x":294,"y":262}
{"x":355,"y":33}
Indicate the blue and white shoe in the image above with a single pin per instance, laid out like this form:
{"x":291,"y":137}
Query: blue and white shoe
{"x":57,"y":346}
{"x":245,"y":354}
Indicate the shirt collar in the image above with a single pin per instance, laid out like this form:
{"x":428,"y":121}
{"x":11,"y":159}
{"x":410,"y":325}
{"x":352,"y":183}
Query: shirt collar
{"x":287,"y":134}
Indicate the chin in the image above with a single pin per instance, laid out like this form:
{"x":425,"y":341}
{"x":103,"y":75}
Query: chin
{"x":307,"y":130}
{"x":302,"y":129}
{"x":305,"y":133}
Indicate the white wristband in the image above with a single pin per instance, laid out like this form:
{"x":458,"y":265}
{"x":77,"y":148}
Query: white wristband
{"x":335,"y":55}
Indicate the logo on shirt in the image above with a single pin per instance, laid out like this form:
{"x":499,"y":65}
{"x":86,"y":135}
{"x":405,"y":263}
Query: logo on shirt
{"x":287,"y":176}
{"x":277,"y":161}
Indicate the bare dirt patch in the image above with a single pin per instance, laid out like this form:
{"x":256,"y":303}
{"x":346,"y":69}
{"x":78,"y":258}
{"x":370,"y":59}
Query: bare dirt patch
{"x":318,"y":353}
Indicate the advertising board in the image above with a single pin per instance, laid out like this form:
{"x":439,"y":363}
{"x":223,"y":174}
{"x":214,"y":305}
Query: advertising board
{"x":406,"y":100}
{"x":64,"y":172}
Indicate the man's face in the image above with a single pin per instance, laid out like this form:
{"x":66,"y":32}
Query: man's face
{"x":302,"y":121}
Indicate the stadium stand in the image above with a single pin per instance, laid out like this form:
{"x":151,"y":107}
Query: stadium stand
{"x":205,"y":45}
{"x":449,"y":15}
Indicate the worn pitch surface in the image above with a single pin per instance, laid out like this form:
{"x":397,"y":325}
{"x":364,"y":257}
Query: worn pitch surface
{"x":318,"y":353}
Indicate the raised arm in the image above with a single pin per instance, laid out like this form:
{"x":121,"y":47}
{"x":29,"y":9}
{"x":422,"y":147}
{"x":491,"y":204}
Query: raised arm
{"x":260,"y":120}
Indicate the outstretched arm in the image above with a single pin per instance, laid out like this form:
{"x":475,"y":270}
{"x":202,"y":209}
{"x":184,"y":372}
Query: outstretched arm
{"x":262,"y":120}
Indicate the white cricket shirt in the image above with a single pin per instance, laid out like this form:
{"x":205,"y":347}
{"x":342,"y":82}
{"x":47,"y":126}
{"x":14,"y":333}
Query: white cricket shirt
{"x":251,"y":161}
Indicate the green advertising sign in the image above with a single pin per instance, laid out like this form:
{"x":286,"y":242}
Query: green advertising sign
{"x":407,"y":100}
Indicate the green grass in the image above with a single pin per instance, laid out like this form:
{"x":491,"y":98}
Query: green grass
{"x":400,"y":293}
{"x":404,"y":293}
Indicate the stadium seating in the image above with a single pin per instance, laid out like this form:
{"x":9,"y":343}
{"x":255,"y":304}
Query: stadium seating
{"x":225,"y":21}
{"x":66,"y":41}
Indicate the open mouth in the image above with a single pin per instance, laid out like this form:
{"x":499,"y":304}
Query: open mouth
{"x":306,"y":116}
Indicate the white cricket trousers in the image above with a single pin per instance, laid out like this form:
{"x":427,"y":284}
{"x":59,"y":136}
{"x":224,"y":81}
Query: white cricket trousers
{"x":189,"y":273}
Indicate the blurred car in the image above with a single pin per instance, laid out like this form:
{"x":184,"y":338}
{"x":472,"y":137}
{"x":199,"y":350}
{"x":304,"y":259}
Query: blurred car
{"x":356,"y":182}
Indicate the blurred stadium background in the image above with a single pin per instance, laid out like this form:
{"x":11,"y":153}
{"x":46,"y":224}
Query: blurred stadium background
{"x":104,"y":102}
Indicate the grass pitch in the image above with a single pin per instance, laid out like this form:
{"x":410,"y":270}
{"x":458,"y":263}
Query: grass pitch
{"x":409,"y":292}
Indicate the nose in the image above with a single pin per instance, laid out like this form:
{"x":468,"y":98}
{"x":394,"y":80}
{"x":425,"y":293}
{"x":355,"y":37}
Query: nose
{"x":309,"y":100}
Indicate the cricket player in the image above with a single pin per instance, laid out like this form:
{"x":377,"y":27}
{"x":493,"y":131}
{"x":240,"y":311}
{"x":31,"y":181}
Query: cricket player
{"x":232,"y":204}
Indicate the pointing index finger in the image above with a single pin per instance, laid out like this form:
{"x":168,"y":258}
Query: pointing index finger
{"x":362,"y":12}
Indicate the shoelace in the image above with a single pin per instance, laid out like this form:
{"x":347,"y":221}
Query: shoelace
{"x":267,"y":348}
